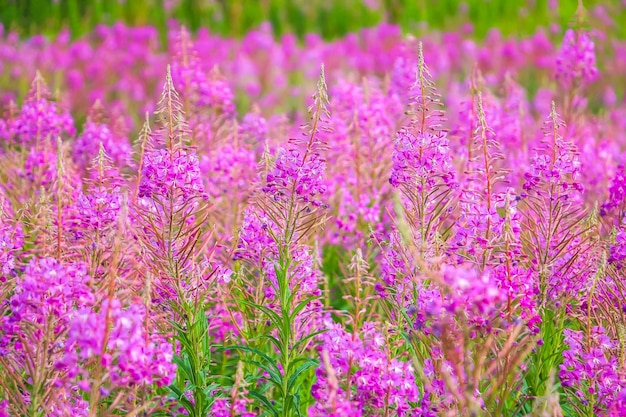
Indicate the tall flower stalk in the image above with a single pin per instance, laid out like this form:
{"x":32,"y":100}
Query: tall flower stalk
{"x":290,"y":208}
{"x":170,"y":223}
{"x":422,"y":163}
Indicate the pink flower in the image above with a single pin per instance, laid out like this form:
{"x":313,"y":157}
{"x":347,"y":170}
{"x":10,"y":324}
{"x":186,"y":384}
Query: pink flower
{"x":87,"y":145}
{"x":171,"y":173}
{"x":422,"y":160}
{"x":294,"y":173}
{"x":576,"y":61}
{"x":132,"y":354}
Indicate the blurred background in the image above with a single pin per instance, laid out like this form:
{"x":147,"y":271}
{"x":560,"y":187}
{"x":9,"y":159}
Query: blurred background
{"x":268,"y":52}
{"x":329,"y":18}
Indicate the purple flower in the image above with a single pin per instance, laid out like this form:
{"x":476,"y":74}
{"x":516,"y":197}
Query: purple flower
{"x":203,"y":90}
{"x":39,"y":121}
{"x":617,"y":251}
{"x":422,"y":161}
{"x":617,"y":195}
{"x":171,"y":174}
{"x":293,"y":173}
{"x":69,"y":403}
{"x":87,"y":145}
{"x":376,"y":380}
{"x":255,"y":127}
{"x":132,"y":354}
{"x":590,"y":367}
{"x":46,"y":290}
{"x":222,"y":407}
{"x":11,"y":238}
{"x":229,"y":171}
{"x":576,"y":61}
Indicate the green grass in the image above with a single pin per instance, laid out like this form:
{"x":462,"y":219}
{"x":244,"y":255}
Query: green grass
{"x":329,"y":18}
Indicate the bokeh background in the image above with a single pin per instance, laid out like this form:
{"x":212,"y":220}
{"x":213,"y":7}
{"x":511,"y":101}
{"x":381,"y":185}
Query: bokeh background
{"x":116,"y":51}
{"x":331,"y":19}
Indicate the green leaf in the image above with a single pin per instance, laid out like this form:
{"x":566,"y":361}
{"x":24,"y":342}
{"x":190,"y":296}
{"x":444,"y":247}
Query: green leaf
{"x":184,"y":366}
{"x":297,"y":404}
{"x":275,"y":378}
{"x":310,"y":363}
{"x":272,"y":315}
{"x":307,"y":338}
{"x":275,"y":341}
{"x":182,"y":399}
{"x":208,"y":391}
{"x":256,"y":352}
{"x":263,"y":399}
{"x":301,"y":306}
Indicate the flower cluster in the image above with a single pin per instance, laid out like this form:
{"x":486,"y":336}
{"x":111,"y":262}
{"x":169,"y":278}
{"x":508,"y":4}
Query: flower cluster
{"x":563,"y":172}
{"x":254,"y":125}
{"x":33,"y":331}
{"x":367,"y":376}
{"x":257,"y":246}
{"x":40,"y":167}
{"x":69,"y":403}
{"x":39,"y":120}
{"x":520,"y":289}
{"x":117,"y":339}
{"x":576,"y":61}
{"x":393,"y":267}
{"x":171,"y":174}
{"x":617,"y":195}
{"x":591,"y":369}
{"x":422,"y":160}
{"x":299,"y":173}
{"x":222,"y":407}
{"x":256,"y":238}
{"x":46,"y":293}
{"x":229,"y":168}
{"x":87,"y":145}
{"x":463,"y":291}
{"x":356,"y":214}
{"x":11,"y":238}
{"x":208,"y":91}
{"x":96,"y":210}
{"x":617,"y":251}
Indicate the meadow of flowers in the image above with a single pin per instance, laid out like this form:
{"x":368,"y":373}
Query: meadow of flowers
{"x":379,"y":225}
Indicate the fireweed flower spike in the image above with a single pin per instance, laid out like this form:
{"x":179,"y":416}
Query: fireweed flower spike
{"x":558,"y":239}
{"x":297,"y":176}
{"x":553,"y":220}
{"x":40,"y":120}
{"x":576,"y":70}
{"x":206,"y":98}
{"x":576,"y":61}
{"x":33,"y":333}
{"x":422,"y":162}
{"x":171,"y":196}
{"x":172,"y":230}
{"x":479,"y":226}
{"x":94,"y":215}
{"x":288,"y":210}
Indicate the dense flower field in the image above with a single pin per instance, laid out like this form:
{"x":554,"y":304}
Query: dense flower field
{"x":374,"y":226}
